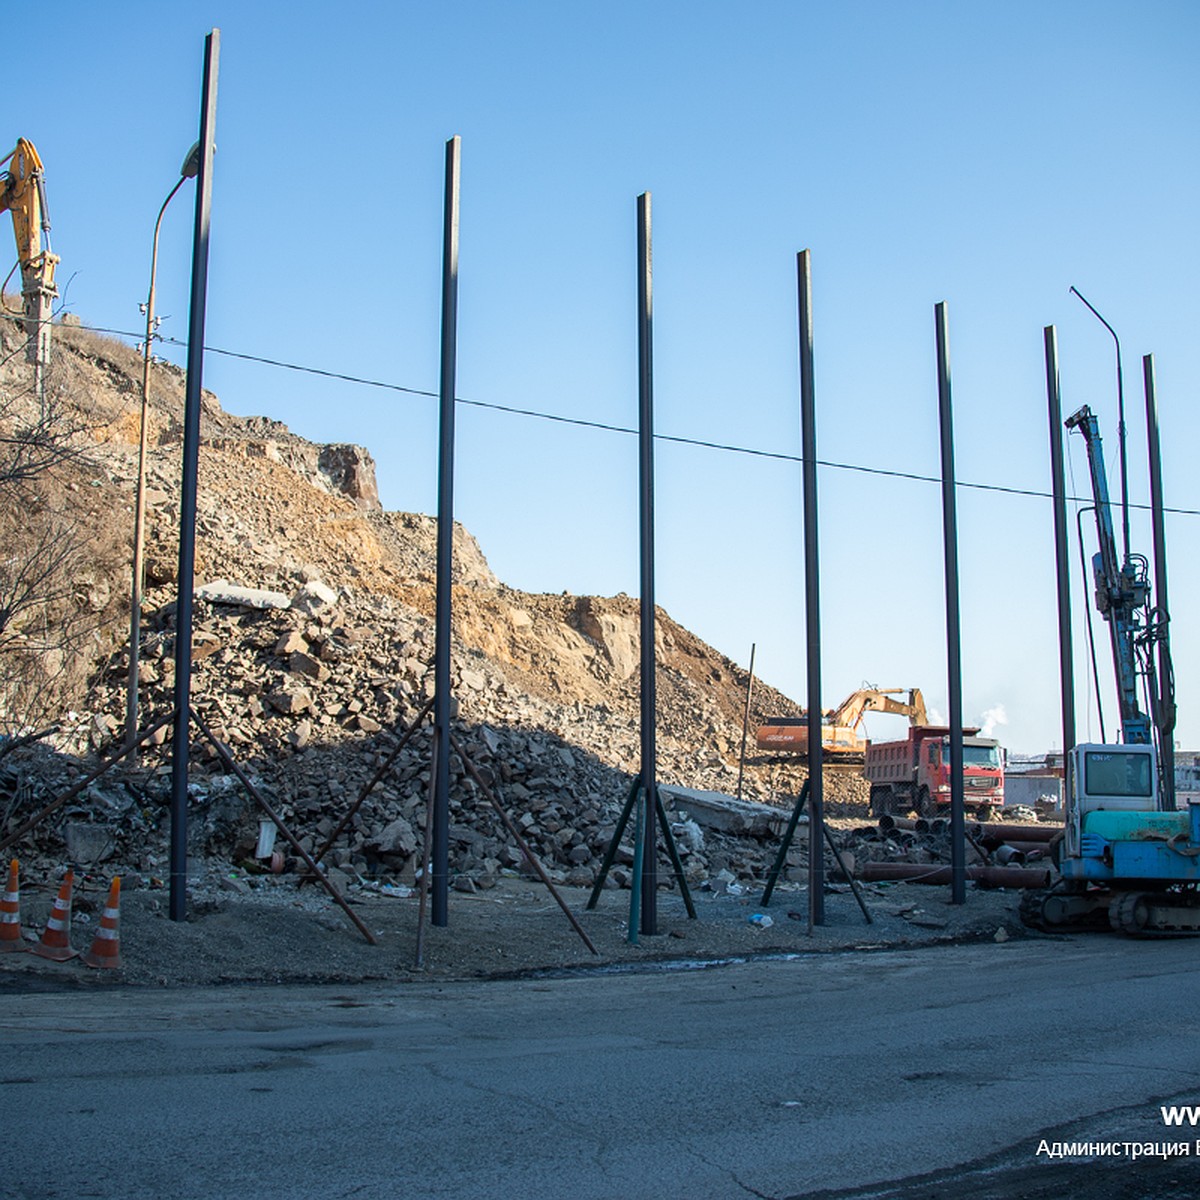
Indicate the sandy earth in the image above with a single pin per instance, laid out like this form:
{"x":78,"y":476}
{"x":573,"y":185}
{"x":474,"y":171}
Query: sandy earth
{"x":278,"y":931}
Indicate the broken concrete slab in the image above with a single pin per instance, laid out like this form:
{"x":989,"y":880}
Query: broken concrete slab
{"x":727,"y":814}
{"x":221,"y":591}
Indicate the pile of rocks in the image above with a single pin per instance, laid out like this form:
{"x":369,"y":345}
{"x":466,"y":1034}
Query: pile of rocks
{"x":310,"y":699}
{"x":313,"y":648}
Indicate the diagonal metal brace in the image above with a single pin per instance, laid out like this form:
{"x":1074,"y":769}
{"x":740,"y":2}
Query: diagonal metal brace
{"x":265,"y":805}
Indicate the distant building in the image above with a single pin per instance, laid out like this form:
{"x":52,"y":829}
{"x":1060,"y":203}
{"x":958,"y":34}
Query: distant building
{"x":1030,"y":778}
{"x":1187,"y":776}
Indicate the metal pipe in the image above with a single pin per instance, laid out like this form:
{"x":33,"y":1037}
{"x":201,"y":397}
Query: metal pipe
{"x":1027,"y":833}
{"x":649,"y":771}
{"x":187,"y":500}
{"x":1066,"y":672}
{"x":445,"y":543}
{"x":1010,"y":877}
{"x":746,"y":722}
{"x":1164,"y":701}
{"x":812,"y":594}
{"x":1007,"y":855}
{"x":1030,"y":849}
{"x":958,"y":858}
{"x":888,"y":822}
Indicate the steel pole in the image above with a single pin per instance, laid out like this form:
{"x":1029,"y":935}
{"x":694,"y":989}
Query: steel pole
{"x":445,"y":544}
{"x":812,"y":597}
{"x":958,"y":856}
{"x":1066,"y":672}
{"x":1164,"y":717}
{"x":187,"y":501}
{"x":649,"y":694}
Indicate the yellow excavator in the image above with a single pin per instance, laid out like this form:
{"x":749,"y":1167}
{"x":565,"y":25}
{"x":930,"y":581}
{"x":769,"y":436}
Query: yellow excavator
{"x":841,"y":728}
{"x":23,"y":193}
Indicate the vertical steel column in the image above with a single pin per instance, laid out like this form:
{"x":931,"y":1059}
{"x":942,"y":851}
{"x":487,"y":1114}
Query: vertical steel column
{"x":812,"y":597}
{"x":440,"y":870}
{"x":958,"y":857}
{"x":649,"y":874}
{"x":177,"y":904}
{"x":1164,"y":717}
{"x":1066,"y":673}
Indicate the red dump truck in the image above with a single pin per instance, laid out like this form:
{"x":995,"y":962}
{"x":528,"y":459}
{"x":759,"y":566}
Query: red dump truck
{"x":914,"y":773}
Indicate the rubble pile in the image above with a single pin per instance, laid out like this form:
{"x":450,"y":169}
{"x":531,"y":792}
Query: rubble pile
{"x":310,"y":699}
{"x":313,"y":649}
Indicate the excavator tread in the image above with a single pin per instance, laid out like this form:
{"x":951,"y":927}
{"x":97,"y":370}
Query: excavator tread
{"x":1155,"y":914}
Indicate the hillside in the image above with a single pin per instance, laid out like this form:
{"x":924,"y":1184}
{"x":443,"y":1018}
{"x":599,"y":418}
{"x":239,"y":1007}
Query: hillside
{"x":307,"y":695}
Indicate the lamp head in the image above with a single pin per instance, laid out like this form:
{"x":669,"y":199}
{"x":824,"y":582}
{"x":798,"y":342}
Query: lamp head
{"x":191,"y":164}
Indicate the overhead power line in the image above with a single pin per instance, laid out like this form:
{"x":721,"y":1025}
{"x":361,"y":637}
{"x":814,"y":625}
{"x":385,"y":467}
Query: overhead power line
{"x":677,"y":439}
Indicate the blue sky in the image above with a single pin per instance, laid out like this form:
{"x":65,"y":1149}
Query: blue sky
{"x":987,"y":155}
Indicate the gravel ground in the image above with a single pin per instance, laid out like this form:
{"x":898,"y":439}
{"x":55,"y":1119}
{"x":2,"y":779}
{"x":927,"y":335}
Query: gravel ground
{"x":271,"y":930}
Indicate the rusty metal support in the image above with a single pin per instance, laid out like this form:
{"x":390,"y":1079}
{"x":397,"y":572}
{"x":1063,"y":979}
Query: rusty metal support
{"x":777,"y":866}
{"x":1011,"y":877}
{"x":289,"y":837}
{"x":746,"y":722}
{"x":88,"y":779}
{"x":369,"y":786}
{"x":530,"y":857}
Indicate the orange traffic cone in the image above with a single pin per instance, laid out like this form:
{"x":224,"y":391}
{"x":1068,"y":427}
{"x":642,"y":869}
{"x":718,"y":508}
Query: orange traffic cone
{"x":106,"y":947}
{"x":10,"y":915}
{"x":56,"y":938}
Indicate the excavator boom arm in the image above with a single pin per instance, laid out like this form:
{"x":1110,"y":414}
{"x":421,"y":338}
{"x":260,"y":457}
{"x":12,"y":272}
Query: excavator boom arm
{"x":23,"y":193}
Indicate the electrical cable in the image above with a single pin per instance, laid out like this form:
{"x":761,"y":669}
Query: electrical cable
{"x":676,"y":439}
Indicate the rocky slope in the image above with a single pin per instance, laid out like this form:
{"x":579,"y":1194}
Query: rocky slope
{"x":311,"y":695}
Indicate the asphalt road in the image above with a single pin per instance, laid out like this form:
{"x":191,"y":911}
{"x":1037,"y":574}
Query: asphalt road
{"x":833,"y":1074}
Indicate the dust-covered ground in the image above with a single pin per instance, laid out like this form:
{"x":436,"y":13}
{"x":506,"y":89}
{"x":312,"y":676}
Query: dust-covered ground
{"x":268,"y":929}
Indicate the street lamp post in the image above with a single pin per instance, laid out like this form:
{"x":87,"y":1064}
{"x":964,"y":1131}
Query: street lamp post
{"x":191,"y":165}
